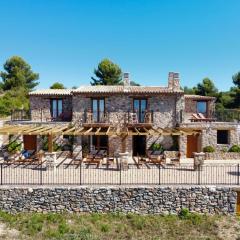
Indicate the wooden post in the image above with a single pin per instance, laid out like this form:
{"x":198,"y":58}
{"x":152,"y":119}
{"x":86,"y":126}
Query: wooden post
{"x":123,"y":138}
{"x":50,"y":143}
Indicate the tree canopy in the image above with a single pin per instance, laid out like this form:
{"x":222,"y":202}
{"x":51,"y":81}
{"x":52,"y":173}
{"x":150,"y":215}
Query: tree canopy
{"x":107,"y":73}
{"x":17,"y":74}
{"x":57,"y":85}
{"x":206,"y":88}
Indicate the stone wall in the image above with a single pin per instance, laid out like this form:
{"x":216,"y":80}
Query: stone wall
{"x":208,"y":135}
{"x":143,"y":200}
{"x":222,"y":156}
{"x":41,"y":107}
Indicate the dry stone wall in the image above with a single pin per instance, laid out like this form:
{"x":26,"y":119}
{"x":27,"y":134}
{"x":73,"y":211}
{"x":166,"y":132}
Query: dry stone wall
{"x":142,"y":200}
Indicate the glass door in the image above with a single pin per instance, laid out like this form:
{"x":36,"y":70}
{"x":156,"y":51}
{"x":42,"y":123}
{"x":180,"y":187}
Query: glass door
{"x":98,"y":109}
{"x":140,"y":107}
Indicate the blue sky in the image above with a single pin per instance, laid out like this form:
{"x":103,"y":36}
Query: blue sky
{"x":65,"y":40}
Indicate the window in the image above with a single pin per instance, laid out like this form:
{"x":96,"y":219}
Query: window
{"x":222,"y":136}
{"x":202,"y":107}
{"x":98,"y":109}
{"x":140,"y":107}
{"x":56,"y":107}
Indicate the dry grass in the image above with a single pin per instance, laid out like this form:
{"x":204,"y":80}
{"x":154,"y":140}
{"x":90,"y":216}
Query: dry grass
{"x":119,"y":226}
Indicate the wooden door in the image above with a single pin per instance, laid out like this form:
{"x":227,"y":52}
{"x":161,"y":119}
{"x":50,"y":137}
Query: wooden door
{"x":30,"y":142}
{"x":192,"y":145}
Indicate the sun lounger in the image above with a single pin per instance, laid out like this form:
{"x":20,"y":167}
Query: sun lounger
{"x":155,"y":157}
{"x":199,"y":117}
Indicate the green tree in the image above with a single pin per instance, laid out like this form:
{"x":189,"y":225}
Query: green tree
{"x":236,"y":79}
{"x":188,"y":90}
{"x":17,"y":74}
{"x":235,"y":91}
{"x":57,"y":85}
{"x":13,"y":99}
{"x":107,"y":73}
{"x":206,"y":88}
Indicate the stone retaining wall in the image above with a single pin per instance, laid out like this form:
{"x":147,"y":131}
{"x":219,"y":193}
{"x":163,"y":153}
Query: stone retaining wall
{"x":143,"y":200}
{"x":223,"y":156}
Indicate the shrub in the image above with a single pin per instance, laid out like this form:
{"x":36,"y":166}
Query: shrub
{"x":14,"y":146}
{"x":184,"y":213}
{"x":234,"y":148}
{"x":157,"y":147}
{"x":209,"y":149}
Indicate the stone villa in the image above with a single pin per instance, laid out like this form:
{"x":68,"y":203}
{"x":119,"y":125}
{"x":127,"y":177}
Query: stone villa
{"x":138,"y":107}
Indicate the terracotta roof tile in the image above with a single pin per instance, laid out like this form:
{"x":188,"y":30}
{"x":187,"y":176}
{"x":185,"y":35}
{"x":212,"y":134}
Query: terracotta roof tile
{"x":198,"y":97}
{"x":51,"y":92}
{"x":124,"y":89}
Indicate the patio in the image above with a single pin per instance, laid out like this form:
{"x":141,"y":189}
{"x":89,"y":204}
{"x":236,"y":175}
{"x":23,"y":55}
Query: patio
{"x":66,"y":172}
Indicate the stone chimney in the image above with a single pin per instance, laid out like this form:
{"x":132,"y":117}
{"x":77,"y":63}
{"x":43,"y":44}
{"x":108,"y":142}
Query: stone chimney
{"x":126,"y":80}
{"x":173,"y":81}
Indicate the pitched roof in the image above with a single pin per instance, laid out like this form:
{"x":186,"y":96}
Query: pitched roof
{"x":199,"y":97}
{"x":124,"y":89}
{"x":53,"y":92}
{"x":105,"y":90}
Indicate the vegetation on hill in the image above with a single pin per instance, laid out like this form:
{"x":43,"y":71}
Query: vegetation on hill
{"x":119,"y":226}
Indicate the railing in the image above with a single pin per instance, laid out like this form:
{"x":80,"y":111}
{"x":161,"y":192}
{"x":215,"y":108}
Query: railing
{"x":83,"y":174}
{"x":129,"y":117}
{"x":20,"y":115}
{"x":227,"y":115}
{"x":41,"y":115}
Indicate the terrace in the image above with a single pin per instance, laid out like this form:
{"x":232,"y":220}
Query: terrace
{"x":102,"y":169}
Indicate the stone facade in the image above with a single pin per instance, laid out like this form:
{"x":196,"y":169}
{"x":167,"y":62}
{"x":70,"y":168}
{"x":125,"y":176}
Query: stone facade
{"x":208,"y":135}
{"x":165,"y":110}
{"x":41,"y":107}
{"x":142,"y":200}
{"x":170,"y":109}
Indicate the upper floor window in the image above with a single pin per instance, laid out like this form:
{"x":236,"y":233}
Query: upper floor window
{"x":56,"y":107}
{"x":98,"y":109}
{"x":202,"y":107}
{"x":140,"y":107}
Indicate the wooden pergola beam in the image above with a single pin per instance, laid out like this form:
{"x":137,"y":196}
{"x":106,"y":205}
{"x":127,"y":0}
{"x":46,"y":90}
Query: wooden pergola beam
{"x":69,"y":131}
{"x":98,"y":130}
{"x":87,"y":131}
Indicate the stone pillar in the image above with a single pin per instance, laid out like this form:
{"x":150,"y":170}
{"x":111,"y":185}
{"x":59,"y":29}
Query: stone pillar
{"x":182,"y":143}
{"x":77,"y":148}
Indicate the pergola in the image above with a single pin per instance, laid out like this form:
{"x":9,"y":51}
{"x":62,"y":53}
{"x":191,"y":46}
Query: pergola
{"x":123,"y":132}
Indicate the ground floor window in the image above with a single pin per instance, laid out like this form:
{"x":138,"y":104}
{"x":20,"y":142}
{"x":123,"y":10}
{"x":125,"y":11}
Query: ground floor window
{"x":222,"y":137}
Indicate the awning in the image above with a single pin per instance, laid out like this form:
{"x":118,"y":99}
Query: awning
{"x":86,"y":131}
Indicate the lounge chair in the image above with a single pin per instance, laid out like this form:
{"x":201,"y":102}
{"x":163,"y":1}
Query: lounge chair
{"x":94,"y":158}
{"x":172,"y":159}
{"x":155,"y":157}
{"x":199,"y":117}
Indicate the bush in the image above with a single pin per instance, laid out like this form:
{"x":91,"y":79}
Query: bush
{"x":209,"y":149}
{"x":157,"y":147}
{"x":184,"y":213}
{"x":14,"y":146}
{"x":234,"y":148}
